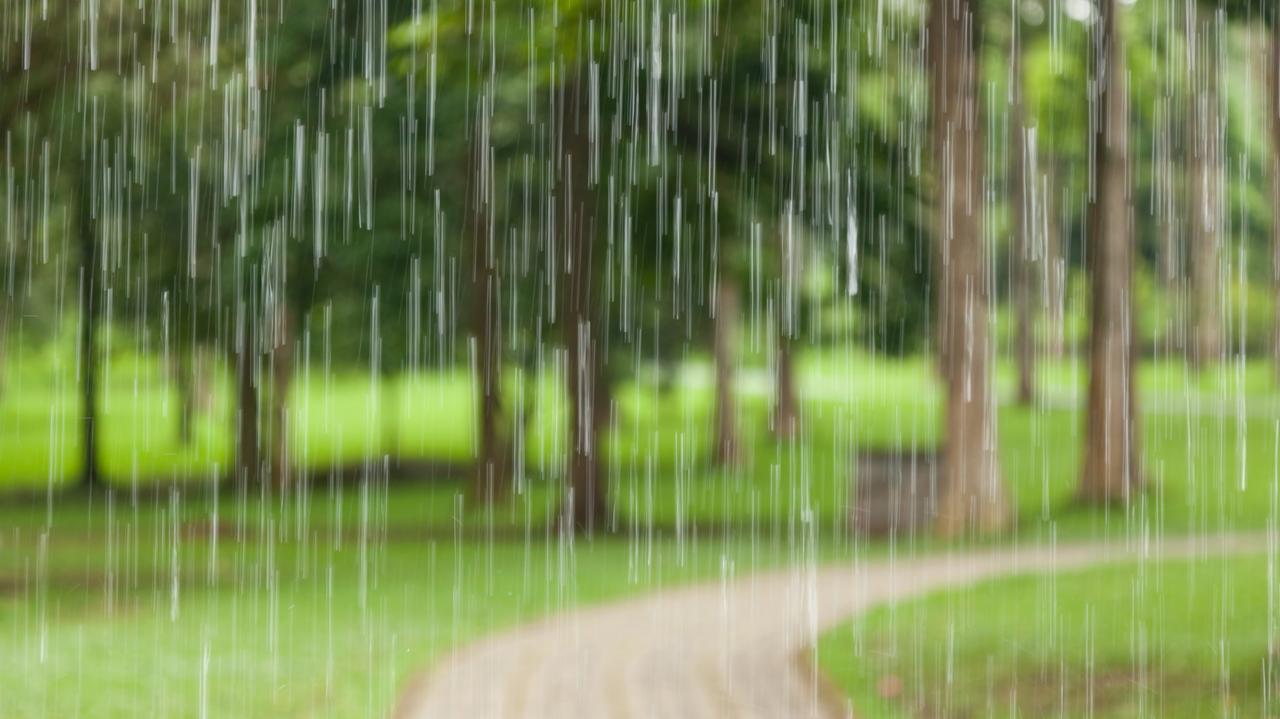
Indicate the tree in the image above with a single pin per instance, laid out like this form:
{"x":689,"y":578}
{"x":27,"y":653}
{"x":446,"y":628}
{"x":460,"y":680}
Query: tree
{"x":1111,"y":470}
{"x":972,"y":496}
{"x":1205,"y":190}
{"x":1274,"y":126}
{"x":1021,"y":251}
{"x":726,"y":445}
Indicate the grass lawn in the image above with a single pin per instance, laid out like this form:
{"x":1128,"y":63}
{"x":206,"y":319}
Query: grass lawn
{"x":322,"y":599}
{"x":1186,"y":638}
{"x":124,"y":611}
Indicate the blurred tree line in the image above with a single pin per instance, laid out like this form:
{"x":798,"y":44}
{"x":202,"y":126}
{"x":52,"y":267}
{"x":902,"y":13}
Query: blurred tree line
{"x":588,"y":187}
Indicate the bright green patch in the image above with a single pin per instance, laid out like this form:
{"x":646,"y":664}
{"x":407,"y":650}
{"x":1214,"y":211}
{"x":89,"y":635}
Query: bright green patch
{"x":1165,"y":639}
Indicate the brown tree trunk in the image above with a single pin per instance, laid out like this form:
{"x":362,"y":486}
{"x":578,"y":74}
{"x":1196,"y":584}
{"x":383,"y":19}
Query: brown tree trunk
{"x":1111,"y":470}
{"x":1205,"y":199}
{"x":1055,"y":267}
{"x":90,"y":473}
{"x":183,"y":380}
{"x":1021,"y":251}
{"x":585,"y":507}
{"x":281,"y":378}
{"x":786,"y":407}
{"x":972,"y":495}
{"x":727,"y":446}
{"x":1275,"y":189}
{"x":786,"y":410}
{"x":248,"y":448}
{"x":493,"y":450}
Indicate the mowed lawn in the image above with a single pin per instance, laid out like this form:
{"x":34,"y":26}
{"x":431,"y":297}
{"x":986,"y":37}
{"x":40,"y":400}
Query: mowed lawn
{"x":1176,"y":639}
{"x":1208,"y":440}
{"x":322,"y":599}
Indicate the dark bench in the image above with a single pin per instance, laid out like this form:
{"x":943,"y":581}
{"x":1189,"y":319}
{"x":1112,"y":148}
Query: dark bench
{"x":896,"y":493}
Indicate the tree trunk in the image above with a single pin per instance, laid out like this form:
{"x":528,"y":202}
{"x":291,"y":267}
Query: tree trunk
{"x":1205,"y":200}
{"x":786,"y":409}
{"x":585,"y":507}
{"x":1111,"y":469}
{"x":183,"y":381}
{"x":248,"y":460}
{"x":90,"y":473}
{"x":281,"y":378}
{"x":493,"y":450}
{"x":727,"y":445}
{"x":1021,"y":251}
{"x":972,"y":495}
{"x":1055,"y":267}
{"x":1275,"y":189}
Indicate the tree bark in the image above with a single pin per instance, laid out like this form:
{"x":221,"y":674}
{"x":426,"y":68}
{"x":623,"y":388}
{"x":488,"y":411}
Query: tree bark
{"x":493,"y":449}
{"x":585,"y":507}
{"x":1205,"y":200}
{"x":727,"y":445}
{"x":1021,"y":250}
{"x":1275,"y":190}
{"x":90,"y":471}
{"x":1055,"y":267}
{"x":248,"y":467}
{"x":183,"y":380}
{"x":281,"y":379}
{"x":972,"y":497}
{"x":786,"y":408}
{"x":1111,"y":471}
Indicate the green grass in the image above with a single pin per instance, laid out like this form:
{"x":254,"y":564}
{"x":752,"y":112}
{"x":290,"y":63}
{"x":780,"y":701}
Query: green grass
{"x":133,"y":610}
{"x":321,"y":599}
{"x":1167,"y":639}
{"x":1208,"y":439}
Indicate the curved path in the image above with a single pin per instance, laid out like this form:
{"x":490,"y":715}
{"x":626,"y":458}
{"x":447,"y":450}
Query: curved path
{"x":740,"y":648}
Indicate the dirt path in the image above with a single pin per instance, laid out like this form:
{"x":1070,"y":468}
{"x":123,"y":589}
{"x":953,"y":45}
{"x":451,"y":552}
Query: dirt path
{"x":740,"y":648}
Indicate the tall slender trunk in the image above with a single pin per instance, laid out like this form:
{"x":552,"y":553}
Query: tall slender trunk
{"x":248,"y":448}
{"x":786,"y":409}
{"x":281,"y":379}
{"x":1205,"y":198}
{"x":493,"y":450}
{"x":90,"y":471}
{"x":1055,"y":266}
{"x":1021,"y":251}
{"x":727,"y":445}
{"x":183,"y":381}
{"x":1111,"y":470}
{"x":786,"y":403}
{"x":1275,"y":189}
{"x":585,"y":506}
{"x":972,"y":493}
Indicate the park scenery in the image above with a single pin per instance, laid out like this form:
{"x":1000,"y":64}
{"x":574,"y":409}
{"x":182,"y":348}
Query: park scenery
{"x":915,"y":359}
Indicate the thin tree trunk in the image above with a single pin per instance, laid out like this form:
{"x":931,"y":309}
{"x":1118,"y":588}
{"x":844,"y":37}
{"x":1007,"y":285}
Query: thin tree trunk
{"x":585,"y":506}
{"x":1111,"y":471}
{"x":727,"y":445}
{"x":90,"y":474}
{"x":183,"y":380}
{"x":1205,"y":200}
{"x":1055,"y":267}
{"x":248,"y":460}
{"x":786,"y":409}
{"x":281,"y":378}
{"x":1275,"y":189}
{"x":972,"y":494}
{"x":493,"y":450}
{"x":1021,"y":249}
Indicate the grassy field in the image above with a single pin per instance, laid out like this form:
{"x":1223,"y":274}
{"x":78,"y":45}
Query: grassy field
{"x":1208,"y":440}
{"x":321,"y":599}
{"x":142,"y":619}
{"x":1175,"y":639}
